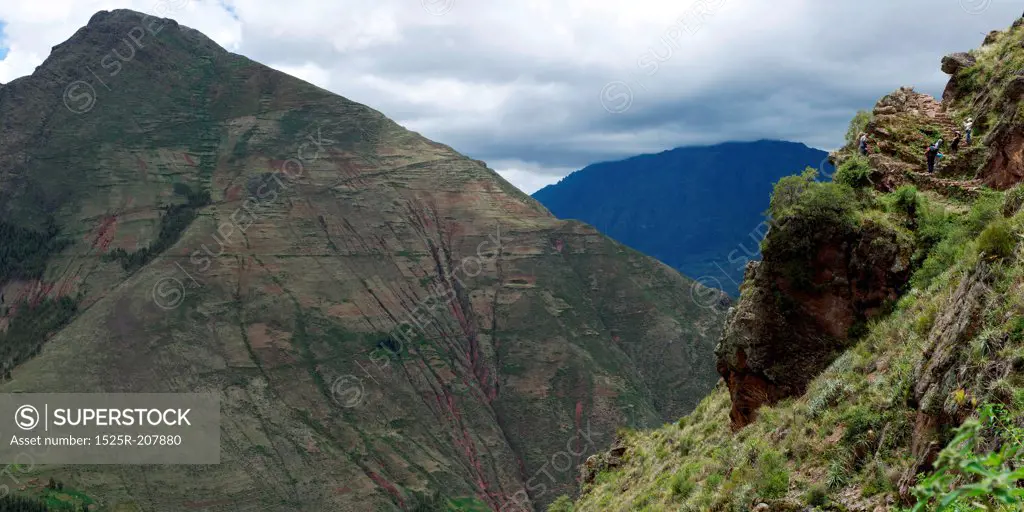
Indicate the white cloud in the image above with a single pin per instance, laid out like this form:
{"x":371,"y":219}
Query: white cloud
{"x":521,"y":81}
{"x":309,"y":72}
{"x":529,"y":176}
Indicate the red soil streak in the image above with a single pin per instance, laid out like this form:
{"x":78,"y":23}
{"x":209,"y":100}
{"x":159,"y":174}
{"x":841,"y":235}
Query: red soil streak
{"x":311,"y":447}
{"x":142,"y":166}
{"x":559,"y":245}
{"x":275,"y":165}
{"x":579,"y":414}
{"x":234,"y":193}
{"x":66,"y":285}
{"x":189,"y":159}
{"x":381,"y":482}
{"x":342,"y":490}
{"x":476,"y":363}
{"x":104,"y":233}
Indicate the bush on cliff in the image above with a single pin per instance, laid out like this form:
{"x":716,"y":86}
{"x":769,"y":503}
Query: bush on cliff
{"x":997,"y":240}
{"x":855,"y":172}
{"x":802,"y":211}
{"x":858,"y":124}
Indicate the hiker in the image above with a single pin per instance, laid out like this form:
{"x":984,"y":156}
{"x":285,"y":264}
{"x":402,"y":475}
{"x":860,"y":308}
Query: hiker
{"x":931,"y":154}
{"x":968,"y":124}
{"x":863,"y":143}
{"x":955,"y":145}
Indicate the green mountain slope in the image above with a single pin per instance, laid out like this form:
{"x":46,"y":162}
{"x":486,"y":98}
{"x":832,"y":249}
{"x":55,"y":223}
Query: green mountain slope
{"x":874,"y":359}
{"x":389,"y":323}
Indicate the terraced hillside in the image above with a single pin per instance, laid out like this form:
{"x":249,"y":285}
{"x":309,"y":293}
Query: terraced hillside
{"x":390,"y":324}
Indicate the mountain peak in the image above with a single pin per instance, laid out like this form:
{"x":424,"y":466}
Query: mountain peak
{"x":112,"y":38}
{"x":322,"y":237}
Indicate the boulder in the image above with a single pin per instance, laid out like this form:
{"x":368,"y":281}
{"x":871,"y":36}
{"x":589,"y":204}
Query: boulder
{"x":1014,"y":91}
{"x":991,"y":38}
{"x":954,"y":62}
{"x":603,"y":461}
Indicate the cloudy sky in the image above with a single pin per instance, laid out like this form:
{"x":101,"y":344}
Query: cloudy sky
{"x":539,"y":88}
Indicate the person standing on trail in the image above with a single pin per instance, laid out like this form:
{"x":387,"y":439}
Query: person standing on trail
{"x":968,"y":124}
{"x":955,"y":144}
{"x":863,"y":143}
{"x":931,"y":154}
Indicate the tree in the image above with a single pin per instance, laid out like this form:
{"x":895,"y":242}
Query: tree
{"x":858,"y":124}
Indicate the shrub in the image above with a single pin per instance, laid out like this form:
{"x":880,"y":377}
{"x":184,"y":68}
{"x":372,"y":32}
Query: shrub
{"x":941,"y":238}
{"x":787,"y":191}
{"x":682,"y":485}
{"x":561,"y":504}
{"x":997,"y":241}
{"x":855,"y":172}
{"x":827,"y":395}
{"x":24,"y":253}
{"x":1013,"y":200}
{"x":802,"y":212}
{"x":924,"y":322}
{"x":816,"y":496}
{"x":962,"y":473}
{"x":173,"y":222}
{"x":858,"y":124}
{"x":905,"y":200}
{"x":773,"y":479}
{"x":987,"y":208}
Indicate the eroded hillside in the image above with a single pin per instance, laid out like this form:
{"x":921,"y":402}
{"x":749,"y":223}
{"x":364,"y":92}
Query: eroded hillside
{"x":389,"y":323}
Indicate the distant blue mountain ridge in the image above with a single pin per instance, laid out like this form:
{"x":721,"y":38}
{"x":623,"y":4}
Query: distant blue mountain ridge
{"x":699,"y":209}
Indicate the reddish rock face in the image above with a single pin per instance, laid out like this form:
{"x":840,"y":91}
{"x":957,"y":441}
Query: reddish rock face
{"x":1005,"y":167}
{"x":783,"y":334}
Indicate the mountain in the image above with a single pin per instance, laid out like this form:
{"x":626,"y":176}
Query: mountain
{"x":874,"y":360}
{"x":698,"y":209}
{"x":389,"y":324}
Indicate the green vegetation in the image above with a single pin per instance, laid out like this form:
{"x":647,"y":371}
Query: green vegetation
{"x":24,"y":252}
{"x":1013,"y":201}
{"x":30,"y":326}
{"x":853,"y":439}
{"x":855,"y":172}
{"x":905,"y":200}
{"x":561,"y":504}
{"x":852,"y":431}
{"x":858,"y":124}
{"x":11,"y":503}
{"x":803,"y":211}
{"x":173,"y":222}
{"x":997,"y":240}
{"x":969,"y":478}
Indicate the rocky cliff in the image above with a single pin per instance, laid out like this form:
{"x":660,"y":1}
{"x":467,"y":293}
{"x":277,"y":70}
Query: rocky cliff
{"x":389,"y":323}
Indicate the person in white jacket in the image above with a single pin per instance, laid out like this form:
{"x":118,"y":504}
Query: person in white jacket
{"x":967,"y":128}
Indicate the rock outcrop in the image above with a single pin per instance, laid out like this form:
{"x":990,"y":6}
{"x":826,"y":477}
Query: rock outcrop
{"x":794,"y":317}
{"x":954,"y":62}
{"x":943,"y":368}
